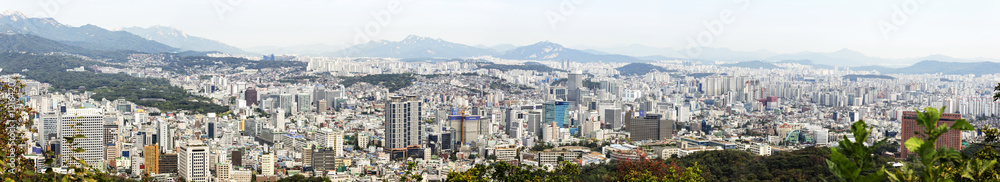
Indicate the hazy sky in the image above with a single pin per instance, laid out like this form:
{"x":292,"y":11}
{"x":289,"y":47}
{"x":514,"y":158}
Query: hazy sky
{"x":965,"y":29}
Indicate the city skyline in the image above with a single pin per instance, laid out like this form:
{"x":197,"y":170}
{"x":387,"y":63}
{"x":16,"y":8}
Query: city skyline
{"x":903,"y":29}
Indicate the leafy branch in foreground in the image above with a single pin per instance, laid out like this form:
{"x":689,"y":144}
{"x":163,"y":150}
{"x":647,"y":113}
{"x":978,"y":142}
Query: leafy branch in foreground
{"x":15,"y":122}
{"x":850,"y":158}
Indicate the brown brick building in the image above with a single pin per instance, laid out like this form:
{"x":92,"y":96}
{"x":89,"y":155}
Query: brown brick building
{"x":950,"y":139}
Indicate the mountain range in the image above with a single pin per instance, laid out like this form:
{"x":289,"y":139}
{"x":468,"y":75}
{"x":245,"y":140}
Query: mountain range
{"x":89,"y":36}
{"x":177,"y":38}
{"x":22,"y":33}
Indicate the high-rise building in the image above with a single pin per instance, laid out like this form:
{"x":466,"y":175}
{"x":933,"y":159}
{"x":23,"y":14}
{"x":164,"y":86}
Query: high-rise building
{"x":236,"y":157}
{"x":251,"y":96}
{"x":556,"y":112}
{"x":508,"y":119}
{"x":402,"y":123}
{"x":151,"y":154}
{"x":332,"y":139}
{"x":324,"y":159}
{"x":650,"y":127}
{"x":90,"y":124}
{"x":467,"y":127}
{"x":192,"y":162}
{"x":613,"y":118}
{"x":535,"y":123}
{"x":321,"y":106}
{"x":211,"y":130}
{"x":50,"y":129}
{"x":222,"y":171}
{"x":110,"y":136}
{"x":166,"y":136}
{"x":950,"y":139}
{"x":267,"y":164}
{"x":304,"y":102}
{"x":573,"y":84}
{"x":168,"y":163}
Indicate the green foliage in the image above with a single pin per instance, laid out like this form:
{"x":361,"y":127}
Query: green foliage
{"x":393,"y":82}
{"x":640,"y":69}
{"x":807,"y":164}
{"x":15,"y":117}
{"x":939,"y":164}
{"x":51,"y":69}
{"x":849,"y":159}
{"x":184,"y":64}
{"x":501,"y":171}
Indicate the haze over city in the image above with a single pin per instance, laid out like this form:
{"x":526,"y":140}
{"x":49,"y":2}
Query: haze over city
{"x":957,"y":29}
{"x":492,"y":90}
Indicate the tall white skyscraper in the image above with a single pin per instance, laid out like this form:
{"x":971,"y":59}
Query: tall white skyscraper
{"x":192,"y":163}
{"x":165,"y":136}
{"x":89,"y":123}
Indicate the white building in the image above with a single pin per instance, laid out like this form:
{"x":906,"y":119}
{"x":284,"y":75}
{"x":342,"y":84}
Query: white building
{"x":192,"y":162}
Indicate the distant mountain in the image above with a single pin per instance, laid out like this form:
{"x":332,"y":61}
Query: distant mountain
{"x":413,"y":47}
{"x":930,"y":66}
{"x":934,"y":66}
{"x":88,"y":36}
{"x":843,"y":57}
{"x":640,"y":69}
{"x":807,"y":63}
{"x":752,"y":64}
{"x":498,"y":48}
{"x":179,"y":39}
{"x":546,"y":50}
{"x":35,"y":44}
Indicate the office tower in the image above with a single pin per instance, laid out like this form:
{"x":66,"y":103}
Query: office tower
{"x":402,"y":122}
{"x":267,"y":164}
{"x":324,"y":159}
{"x":287,"y":102}
{"x":332,"y":139}
{"x":222,"y":171}
{"x":573,"y":84}
{"x":613,"y":118}
{"x":168,"y":163}
{"x":509,"y":123}
{"x":650,"y":127}
{"x":110,"y":136}
{"x":86,"y":122}
{"x":236,"y":157}
{"x":950,"y":139}
{"x":151,"y":154}
{"x":211,"y":130}
{"x":558,"y":93}
{"x":192,"y":162}
{"x":166,"y":136}
{"x":251,"y":96}
{"x":466,"y":127}
{"x":319,"y":93}
{"x":556,"y":112}
{"x":321,"y":106}
{"x":50,"y":129}
{"x":278,"y":122}
{"x":304,"y":102}
{"x":535,"y":123}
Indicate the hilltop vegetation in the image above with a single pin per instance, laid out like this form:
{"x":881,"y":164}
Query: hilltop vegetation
{"x":52,"y":69}
{"x":640,"y":69}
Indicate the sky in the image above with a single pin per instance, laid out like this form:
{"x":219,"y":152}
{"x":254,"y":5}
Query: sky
{"x":889,"y":29}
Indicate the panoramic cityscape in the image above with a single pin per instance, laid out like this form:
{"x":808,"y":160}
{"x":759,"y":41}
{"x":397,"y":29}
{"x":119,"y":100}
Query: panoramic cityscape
{"x":489,"y":90}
